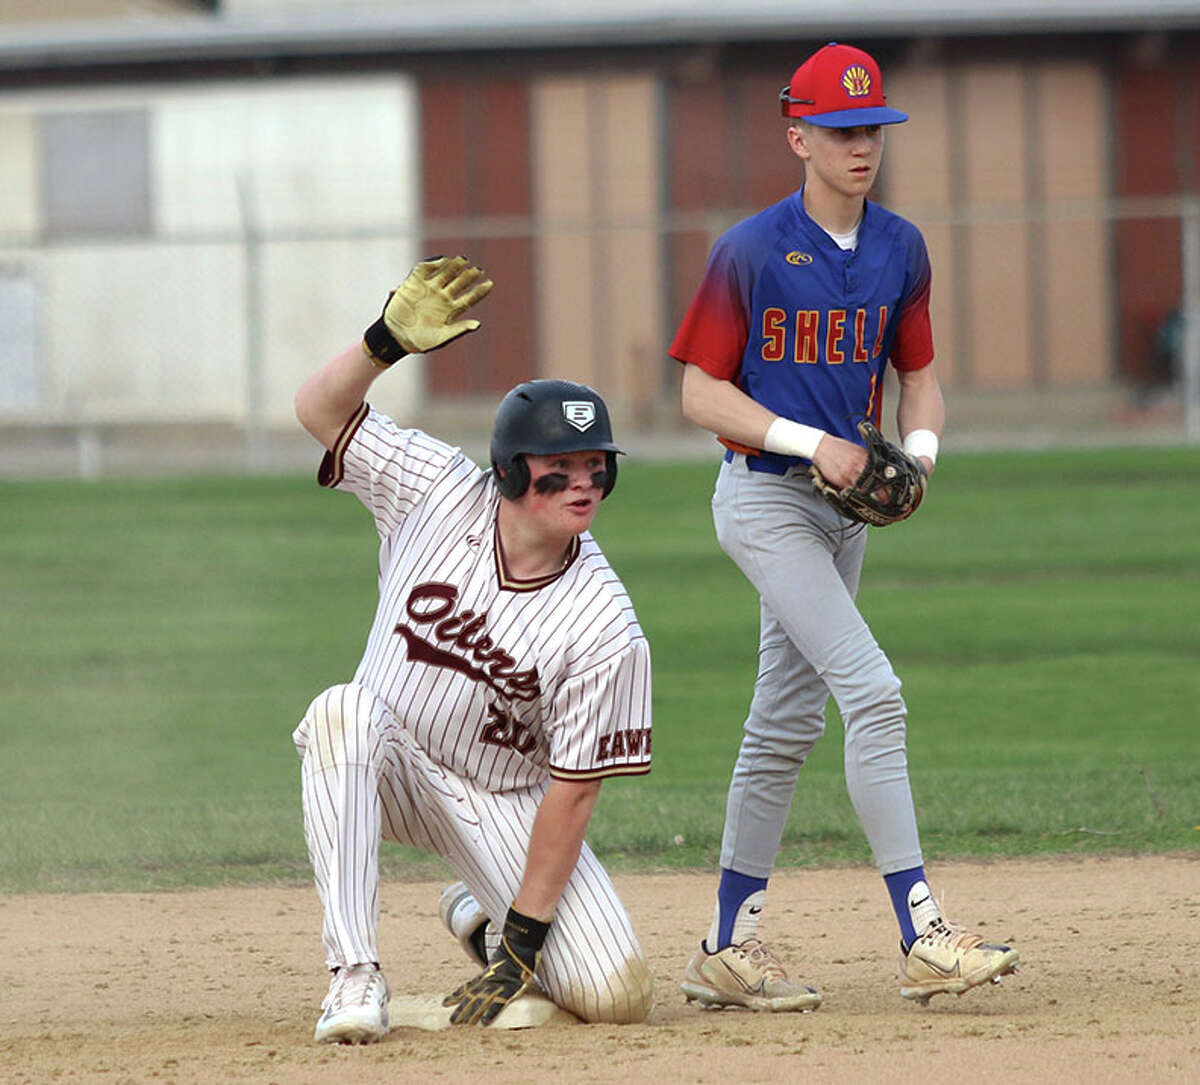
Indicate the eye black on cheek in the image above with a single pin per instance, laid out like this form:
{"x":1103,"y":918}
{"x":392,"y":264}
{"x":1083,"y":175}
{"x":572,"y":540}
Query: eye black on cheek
{"x":553,"y":483}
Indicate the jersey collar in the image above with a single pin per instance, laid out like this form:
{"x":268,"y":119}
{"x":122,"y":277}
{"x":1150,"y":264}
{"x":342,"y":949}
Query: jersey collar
{"x":817,"y":232}
{"x":508,"y":582}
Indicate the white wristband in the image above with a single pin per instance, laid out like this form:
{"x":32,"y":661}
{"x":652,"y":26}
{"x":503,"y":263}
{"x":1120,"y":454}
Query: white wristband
{"x":922,"y":442}
{"x":790,"y":438}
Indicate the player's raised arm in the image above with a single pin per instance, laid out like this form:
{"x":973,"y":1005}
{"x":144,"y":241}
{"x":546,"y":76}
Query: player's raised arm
{"x":424,"y":313}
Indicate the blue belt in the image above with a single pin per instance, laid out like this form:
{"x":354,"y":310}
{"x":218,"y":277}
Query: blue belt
{"x":769,"y":463}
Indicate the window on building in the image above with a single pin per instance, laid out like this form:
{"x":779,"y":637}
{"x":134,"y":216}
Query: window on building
{"x":95,"y":172}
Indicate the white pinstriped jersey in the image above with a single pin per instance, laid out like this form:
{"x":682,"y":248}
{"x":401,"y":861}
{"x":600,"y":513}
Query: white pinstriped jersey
{"x":499,"y":680}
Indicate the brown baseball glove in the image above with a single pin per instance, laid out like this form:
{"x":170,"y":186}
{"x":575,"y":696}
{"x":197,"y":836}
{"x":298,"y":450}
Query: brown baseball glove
{"x":889,"y":488}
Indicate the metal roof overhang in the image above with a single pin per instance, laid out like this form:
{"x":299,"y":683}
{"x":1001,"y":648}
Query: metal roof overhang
{"x":466,"y":25}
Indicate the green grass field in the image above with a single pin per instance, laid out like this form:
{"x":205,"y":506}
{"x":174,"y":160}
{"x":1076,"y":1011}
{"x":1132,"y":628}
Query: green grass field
{"x":159,"y":640}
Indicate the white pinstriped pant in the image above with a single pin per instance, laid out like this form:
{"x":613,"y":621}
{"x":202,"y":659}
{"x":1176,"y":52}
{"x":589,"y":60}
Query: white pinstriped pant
{"x":365,"y":779}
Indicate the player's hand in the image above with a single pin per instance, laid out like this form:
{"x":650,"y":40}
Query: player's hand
{"x":839,"y":461}
{"x":479,"y":1000}
{"x":424,"y":312}
{"x":509,"y":975}
{"x":889,"y":489}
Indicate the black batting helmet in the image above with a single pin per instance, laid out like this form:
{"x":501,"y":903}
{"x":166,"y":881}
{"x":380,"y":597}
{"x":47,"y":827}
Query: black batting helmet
{"x":542,"y":417}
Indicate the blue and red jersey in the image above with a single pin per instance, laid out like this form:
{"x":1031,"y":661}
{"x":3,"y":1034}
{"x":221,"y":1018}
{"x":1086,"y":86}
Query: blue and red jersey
{"x":805,"y":327}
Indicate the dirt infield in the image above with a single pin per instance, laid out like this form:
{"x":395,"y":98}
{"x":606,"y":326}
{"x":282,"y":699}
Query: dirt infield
{"x":224,"y":986}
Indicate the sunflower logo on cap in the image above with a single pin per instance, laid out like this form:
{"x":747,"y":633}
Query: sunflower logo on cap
{"x":856,"y":81}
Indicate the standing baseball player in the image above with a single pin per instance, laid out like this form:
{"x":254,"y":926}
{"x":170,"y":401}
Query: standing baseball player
{"x":504,"y":678}
{"x":784,"y":348}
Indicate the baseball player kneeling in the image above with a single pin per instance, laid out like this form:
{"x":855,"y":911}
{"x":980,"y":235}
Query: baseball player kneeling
{"x":504,"y":677}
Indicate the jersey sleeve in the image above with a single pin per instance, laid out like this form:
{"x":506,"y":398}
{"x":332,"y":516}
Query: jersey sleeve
{"x":602,"y":718}
{"x":388,"y":468}
{"x":715,"y":327}
{"x":913,"y":346}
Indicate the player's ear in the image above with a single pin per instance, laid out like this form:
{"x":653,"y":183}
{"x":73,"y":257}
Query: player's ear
{"x":797,"y":141}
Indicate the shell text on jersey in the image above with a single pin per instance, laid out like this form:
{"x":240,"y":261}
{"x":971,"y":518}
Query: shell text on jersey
{"x":845,"y":338}
{"x":632,"y":742}
{"x":433,"y":604}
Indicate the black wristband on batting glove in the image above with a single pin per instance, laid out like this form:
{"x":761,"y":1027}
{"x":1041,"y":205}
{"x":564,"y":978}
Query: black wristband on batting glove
{"x":525,"y":937}
{"x":380,"y":346}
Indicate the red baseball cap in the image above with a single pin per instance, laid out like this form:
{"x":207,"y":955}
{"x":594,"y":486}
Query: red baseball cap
{"x":838,"y":87}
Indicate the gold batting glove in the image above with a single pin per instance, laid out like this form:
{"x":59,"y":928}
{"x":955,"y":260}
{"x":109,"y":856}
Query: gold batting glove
{"x":423,"y":313}
{"x":509,"y":975}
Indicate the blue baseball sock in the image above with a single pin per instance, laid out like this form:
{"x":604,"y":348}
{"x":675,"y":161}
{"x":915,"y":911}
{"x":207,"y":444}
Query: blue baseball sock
{"x":912,"y":901}
{"x":732,"y":893}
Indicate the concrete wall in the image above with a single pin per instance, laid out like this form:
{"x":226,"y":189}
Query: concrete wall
{"x":269,"y":240}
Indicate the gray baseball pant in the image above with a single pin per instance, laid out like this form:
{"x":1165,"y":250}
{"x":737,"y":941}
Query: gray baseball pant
{"x":805,"y":562}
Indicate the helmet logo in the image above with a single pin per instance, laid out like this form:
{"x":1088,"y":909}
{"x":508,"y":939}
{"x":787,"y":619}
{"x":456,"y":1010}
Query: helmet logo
{"x":580,"y":413}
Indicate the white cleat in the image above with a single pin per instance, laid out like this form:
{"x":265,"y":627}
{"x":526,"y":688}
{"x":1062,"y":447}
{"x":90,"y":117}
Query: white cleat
{"x":355,"y":1010}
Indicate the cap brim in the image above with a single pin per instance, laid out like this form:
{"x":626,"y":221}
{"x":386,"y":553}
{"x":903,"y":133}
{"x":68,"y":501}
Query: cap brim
{"x":855,"y":118}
